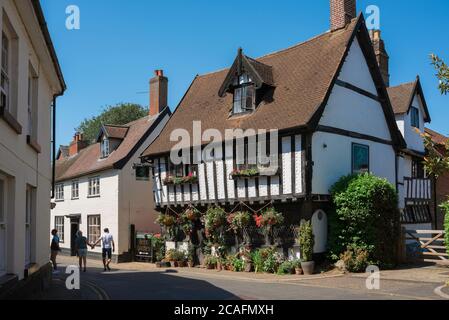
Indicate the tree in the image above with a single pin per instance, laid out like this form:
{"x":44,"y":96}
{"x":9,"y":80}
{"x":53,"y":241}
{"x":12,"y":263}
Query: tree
{"x":443,"y":73}
{"x":119,"y":114}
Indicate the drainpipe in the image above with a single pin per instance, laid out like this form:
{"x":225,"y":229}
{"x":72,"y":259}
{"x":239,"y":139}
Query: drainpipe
{"x":435,"y":205}
{"x":53,"y":143}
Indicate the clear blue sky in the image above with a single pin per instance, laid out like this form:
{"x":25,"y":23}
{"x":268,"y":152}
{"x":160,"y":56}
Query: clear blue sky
{"x":112,"y":57}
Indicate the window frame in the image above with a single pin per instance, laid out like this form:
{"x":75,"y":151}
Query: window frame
{"x":366,"y":147}
{"x":147,"y":173}
{"x":244,"y":86}
{"x":414,"y":117}
{"x":33,"y":98}
{"x":90,"y":225}
{"x":59,"y":192}
{"x":105,"y":148}
{"x":5,"y":90}
{"x":418,"y":169}
{"x":60,"y":227}
{"x":3,"y":224}
{"x":75,"y":190}
{"x":93,"y":187}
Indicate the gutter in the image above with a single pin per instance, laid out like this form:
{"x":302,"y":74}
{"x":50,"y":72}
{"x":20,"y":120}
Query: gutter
{"x":53,"y":145}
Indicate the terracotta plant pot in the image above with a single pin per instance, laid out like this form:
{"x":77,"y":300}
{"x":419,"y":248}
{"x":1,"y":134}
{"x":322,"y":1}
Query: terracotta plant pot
{"x":248,"y":267}
{"x":190,"y":264}
{"x":219,"y":267}
{"x":210,"y":266}
{"x":298,"y":271}
{"x":308,"y":267}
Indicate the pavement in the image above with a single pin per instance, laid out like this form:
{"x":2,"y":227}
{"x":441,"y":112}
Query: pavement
{"x":143,"y":281}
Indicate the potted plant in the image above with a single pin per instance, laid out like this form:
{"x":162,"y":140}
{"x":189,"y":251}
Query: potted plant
{"x":297,"y":266}
{"x":306,"y":244}
{"x":171,"y":257}
{"x":210,"y":262}
{"x":267,"y":221}
{"x":245,"y":255}
{"x":191,"y":256}
{"x":214,"y":221}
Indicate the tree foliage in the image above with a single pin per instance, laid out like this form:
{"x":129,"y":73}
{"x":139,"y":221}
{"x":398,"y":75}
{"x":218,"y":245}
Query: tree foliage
{"x":366,"y":217}
{"x":436,"y":161}
{"x":118,"y":114}
{"x":442,"y":73}
{"x":445,"y":208}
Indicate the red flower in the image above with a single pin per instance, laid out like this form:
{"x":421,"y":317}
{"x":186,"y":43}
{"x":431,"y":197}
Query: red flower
{"x":157,"y":235}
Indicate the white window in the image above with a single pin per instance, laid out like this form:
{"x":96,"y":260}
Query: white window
{"x":5,"y":87}
{"x":32,"y":102}
{"x":3,"y":198}
{"x":59,"y":225}
{"x":93,"y":228}
{"x":105,"y":148}
{"x":94,"y":187}
{"x":29,"y":218}
{"x":75,"y":190}
{"x":59,"y":192}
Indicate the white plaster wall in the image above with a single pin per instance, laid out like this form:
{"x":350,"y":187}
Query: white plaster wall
{"x":286,"y":165}
{"x":335,"y":161}
{"x":412,"y":138}
{"x":355,"y":70}
{"x":19,"y":161}
{"x":136,"y":204}
{"x":106,"y":206}
{"x":352,"y":111}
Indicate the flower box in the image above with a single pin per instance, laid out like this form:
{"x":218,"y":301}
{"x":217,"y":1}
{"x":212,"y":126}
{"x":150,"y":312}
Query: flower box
{"x":253,"y":173}
{"x":176,"y":181}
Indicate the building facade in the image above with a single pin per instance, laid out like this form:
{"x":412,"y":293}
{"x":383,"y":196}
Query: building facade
{"x":103,"y":185}
{"x":31,"y":79}
{"x":328,"y":101}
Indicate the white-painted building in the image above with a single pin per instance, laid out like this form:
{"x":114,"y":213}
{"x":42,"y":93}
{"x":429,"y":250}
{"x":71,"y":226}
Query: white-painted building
{"x":99,"y":186}
{"x":31,"y":79}
{"x":328,"y":99}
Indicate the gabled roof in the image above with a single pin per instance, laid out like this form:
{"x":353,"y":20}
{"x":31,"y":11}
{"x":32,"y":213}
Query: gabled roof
{"x":402,"y":96}
{"x":303,"y":76}
{"x":259,"y":72}
{"x":88,"y":161}
{"x":113,"y":132}
{"x":63,"y":151}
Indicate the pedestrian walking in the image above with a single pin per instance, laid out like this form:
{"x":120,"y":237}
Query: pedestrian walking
{"x":54,"y":247}
{"x":81,"y":248}
{"x":107,"y":242}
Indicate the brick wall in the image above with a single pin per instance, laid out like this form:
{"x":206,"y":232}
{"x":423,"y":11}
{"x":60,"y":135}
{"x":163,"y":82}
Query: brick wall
{"x":442,"y":190}
{"x":342,"y":12}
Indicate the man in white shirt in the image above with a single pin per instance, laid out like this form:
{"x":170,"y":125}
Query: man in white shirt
{"x":107,"y":242}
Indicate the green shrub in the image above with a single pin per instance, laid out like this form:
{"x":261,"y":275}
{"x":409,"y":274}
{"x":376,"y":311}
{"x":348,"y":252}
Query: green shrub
{"x":306,"y":241}
{"x":286,"y":267}
{"x":257,"y":259}
{"x":210,"y":260}
{"x":355,"y":259}
{"x":445,"y":207}
{"x":266,"y":260}
{"x":238,"y":265}
{"x":366,"y":216}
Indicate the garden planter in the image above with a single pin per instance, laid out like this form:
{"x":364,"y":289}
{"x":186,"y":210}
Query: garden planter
{"x":219,"y":267}
{"x":248,"y":267}
{"x":308,"y":267}
{"x":210,"y":266}
{"x":174,"y":264}
{"x":190,"y":264}
{"x":298,"y":271}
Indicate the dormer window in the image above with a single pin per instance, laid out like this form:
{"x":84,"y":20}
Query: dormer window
{"x":105,"y":151}
{"x":414,"y":115}
{"x":244,"y":97}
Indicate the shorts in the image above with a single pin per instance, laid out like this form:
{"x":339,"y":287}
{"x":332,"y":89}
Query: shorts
{"x":108,"y":252}
{"x":82,"y":252}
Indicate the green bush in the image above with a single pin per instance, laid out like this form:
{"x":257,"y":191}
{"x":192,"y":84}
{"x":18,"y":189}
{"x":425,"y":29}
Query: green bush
{"x":306,"y":241}
{"x":286,"y":267}
{"x":366,"y":216}
{"x":266,"y":260}
{"x":238,"y":265}
{"x":445,"y":207}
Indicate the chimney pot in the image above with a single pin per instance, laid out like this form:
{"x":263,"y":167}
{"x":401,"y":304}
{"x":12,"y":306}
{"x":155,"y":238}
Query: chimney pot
{"x":342,"y":12}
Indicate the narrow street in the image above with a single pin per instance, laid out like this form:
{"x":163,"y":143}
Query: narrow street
{"x":130,"y":283}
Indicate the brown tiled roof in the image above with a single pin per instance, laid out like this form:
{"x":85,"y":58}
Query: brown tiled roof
{"x":302,"y":76}
{"x":436,"y":136}
{"x":116,"y":132}
{"x":88,"y":161}
{"x":401,"y":97}
{"x":63,"y":151}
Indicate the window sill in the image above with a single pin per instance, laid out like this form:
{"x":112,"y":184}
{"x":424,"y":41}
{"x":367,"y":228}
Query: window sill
{"x":90,"y":197}
{"x":10,"y":120}
{"x":33,"y":144}
{"x":60,"y":200}
{"x":75,"y":198}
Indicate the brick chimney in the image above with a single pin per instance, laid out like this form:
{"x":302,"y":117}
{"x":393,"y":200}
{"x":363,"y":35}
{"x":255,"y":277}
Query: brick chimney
{"x":381,"y":55}
{"x":158,"y":93}
{"x":77,"y":144}
{"x":342,"y":12}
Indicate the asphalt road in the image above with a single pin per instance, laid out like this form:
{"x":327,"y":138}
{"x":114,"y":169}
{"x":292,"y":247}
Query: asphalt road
{"x":171,"y":285}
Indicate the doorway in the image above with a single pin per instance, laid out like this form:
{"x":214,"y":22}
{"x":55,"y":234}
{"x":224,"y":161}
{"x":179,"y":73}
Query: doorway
{"x":74,"y":227}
